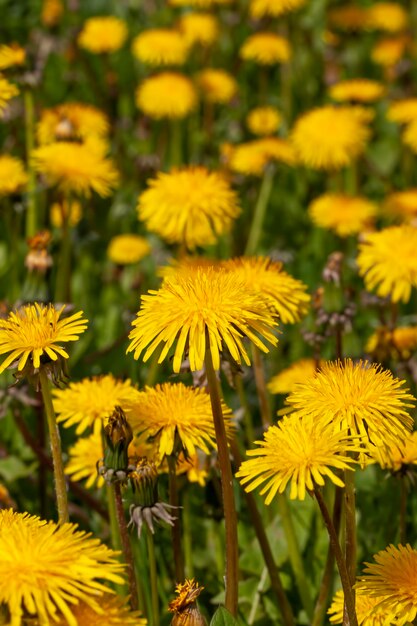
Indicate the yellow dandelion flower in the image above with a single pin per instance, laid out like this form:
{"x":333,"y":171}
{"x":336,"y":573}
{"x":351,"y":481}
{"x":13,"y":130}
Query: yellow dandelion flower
{"x":170,"y":411}
{"x":360,"y":90}
{"x":288,"y":379}
{"x":195,"y":466}
{"x":273,"y":8}
{"x":285,"y":295}
{"x":160,"y":46}
{"x":366,"y":610}
{"x":168,"y":94}
{"x":392,"y":579}
{"x":390,"y":50}
{"x":402,"y":204}
{"x":216,"y":85}
{"x":359,"y":397}
{"x":52,"y":11}
{"x":36,"y":330}
{"x":388,"y":262}
{"x":114,"y":611}
{"x":128,"y":249}
{"x":61,"y":211}
{"x":399,"y":342}
{"x":350,"y":17}
{"x":266,"y":49}
{"x":396,"y":457}
{"x":331,"y":137}
{"x":13,"y":177}
{"x":72,"y":120}
{"x":403,"y":111}
{"x":191,"y":206}
{"x":45,"y":568}
{"x":83,"y":458}
{"x":186,"y":265}
{"x":75,"y":167}
{"x":300,"y":451}
{"x":103,"y":34}
{"x":199,"y":28}
{"x":200,"y":4}
{"x":11,"y":56}
{"x":209,"y":305}
{"x":90,"y":402}
{"x":264,"y":120}
{"x":5,"y":499}
{"x":7,"y":92}
{"x":345,"y":215}
{"x":252,"y":157}
{"x":386,"y":16}
{"x":409,"y":136}
{"x":277,"y":149}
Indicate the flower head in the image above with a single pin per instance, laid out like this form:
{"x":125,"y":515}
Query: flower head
{"x":35,"y":331}
{"x":200,"y":4}
{"x":7,"y":92}
{"x":190,"y":206}
{"x":386,"y":16}
{"x":46,"y":568}
{"x":388,"y":262}
{"x":263,"y":120}
{"x":366,"y":609}
{"x":266,"y":48}
{"x":357,"y":90}
{"x":345,"y":215}
{"x":390,"y":50}
{"x":76,"y":167}
{"x":11,"y":56}
{"x":199,"y":28}
{"x":288,"y":379}
{"x":252,"y":157}
{"x":114,"y":611}
{"x":403,"y":111}
{"x":348,"y":17}
{"x":396,"y":457}
{"x":103,"y":34}
{"x":69,"y":121}
{"x":12,"y":175}
{"x":72,"y":213}
{"x":160,"y":46}
{"x":331,"y":137}
{"x":83,"y":458}
{"x":273,"y":8}
{"x":299,"y":451}
{"x":205,"y":307}
{"x":399,"y":342}
{"x":402,"y":204}
{"x":173,"y":414}
{"x":52,"y":11}
{"x":128,"y":249}
{"x":168,"y":94}
{"x":216,"y":85}
{"x":361,"y":398}
{"x":91,"y":401}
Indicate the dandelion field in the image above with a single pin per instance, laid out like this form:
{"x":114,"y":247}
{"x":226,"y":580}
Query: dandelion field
{"x":208,"y":328}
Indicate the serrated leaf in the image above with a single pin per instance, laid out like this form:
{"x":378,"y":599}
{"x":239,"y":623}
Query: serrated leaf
{"x":222,"y":617}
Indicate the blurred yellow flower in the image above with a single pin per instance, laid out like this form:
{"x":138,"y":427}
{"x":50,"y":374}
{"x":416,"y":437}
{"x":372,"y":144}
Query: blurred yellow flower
{"x":127,"y":249}
{"x":114,"y":611}
{"x":190,"y":206}
{"x":72,"y":120}
{"x":195,"y":466}
{"x":409,"y":136}
{"x":168,"y":94}
{"x":52,"y":11}
{"x":287,"y":380}
{"x":386,"y":16}
{"x":263,"y":120}
{"x":266,"y":48}
{"x":11,"y":55}
{"x":348,"y":17}
{"x":366,"y":611}
{"x":345,"y":215}
{"x":7,"y":92}
{"x":216,"y":85}
{"x":360,"y":90}
{"x":388,"y":262}
{"x":75,"y":167}
{"x":160,"y":46}
{"x":199,"y":28}
{"x":200,"y":4}
{"x":402,"y":204}
{"x":103,"y":34}
{"x":209,"y":306}
{"x":83,"y":457}
{"x":59,"y":212}
{"x":13,"y":177}
{"x":396,"y":343}
{"x":36,"y":330}
{"x":252,"y":157}
{"x":390,"y":50}
{"x":403,"y":111}
{"x":273,"y":8}
{"x":296,"y":451}
{"x":331,"y":137}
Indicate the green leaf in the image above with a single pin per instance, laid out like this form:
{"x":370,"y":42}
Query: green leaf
{"x":222,"y":617}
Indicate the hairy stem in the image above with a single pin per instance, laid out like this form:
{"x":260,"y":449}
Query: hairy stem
{"x":176,"y":528}
{"x":126,"y":547}
{"x":153,"y":575}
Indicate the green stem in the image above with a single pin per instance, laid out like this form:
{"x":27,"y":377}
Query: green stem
{"x":403,"y":510}
{"x":295,"y":555}
{"x":60,"y":483}
{"x":31,"y":213}
{"x":260,"y":211}
{"x":230,"y":517}
{"x":263,"y":398}
{"x":154,"y":621}
{"x":176,"y":528}
{"x":175,"y":147}
{"x":127,"y":548}
{"x":114,"y":527}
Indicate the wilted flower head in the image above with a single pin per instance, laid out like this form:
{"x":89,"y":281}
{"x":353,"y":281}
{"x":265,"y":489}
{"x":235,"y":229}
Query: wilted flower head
{"x":216,"y":85}
{"x":266,"y":49}
{"x":160,"y":46}
{"x":199,"y":28}
{"x":263,"y":120}
{"x":13,"y":177}
{"x":103,"y":34}
{"x":343,"y":214}
{"x":185,"y":607}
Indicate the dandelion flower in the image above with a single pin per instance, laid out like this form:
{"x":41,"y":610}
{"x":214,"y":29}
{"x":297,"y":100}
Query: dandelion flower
{"x":12,"y":175}
{"x":114,"y":611}
{"x":72,"y":120}
{"x":128,"y":249}
{"x":360,"y":90}
{"x":52,"y":11}
{"x":168,"y":94}
{"x":345,"y":215}
{"x":360,"y":397}
{"x":75,"y":167}
{"x":200,"y":4}
{"x":103,"y":34}
{"x":11,"y":56}
{"x":170,"y":411}
{"x":216,"y":85}
{"x":273,"y":8}
{"x":288,"y":379}
{"x":402,"y":204}
{"x":396,"y":457}
{"x":187,"y":265}
{"x":36,"y":330}
{"x":403,"y":111}
{"x":396,"y":343}
{"x":195,"y":466}
{"x":392,"y":579}
{"x":331,"y":137}
{"x":90,"y":402}
{"x":266,"y":49}
{"x":351,"y":17}
{"x":46,"y":568}
{"x":61,"y":211}
{"x":263,"y":120}
{"x":386,"y":16}
{"x":388,"y":262}
{"x":190,"y":206}
{"x":7,"y":92}
{"x":299,"y":451}
{"x":199,"y":28}
{"x":285,"y":295}
{"x":410,"y":136}
{"x":252,"y":157}
{"x":390,"y":50}
{"x":83,"y":457}
{"x":160,"y":46}
{"x":366,"y":610}
{"x":211,"y":306}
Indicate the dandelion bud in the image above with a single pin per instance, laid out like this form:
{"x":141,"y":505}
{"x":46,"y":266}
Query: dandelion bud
{"x":118,"y":434}
{"x":185,"y":605}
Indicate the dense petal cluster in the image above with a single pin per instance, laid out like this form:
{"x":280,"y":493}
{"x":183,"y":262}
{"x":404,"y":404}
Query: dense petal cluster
{"x":266,"y":48}
{"x":252,"y":157}
{"x":12,"y":175}
{"x":127,"y":249}
{"x":160,"y":46}
{"x":396,"y":457}
{"x":360,"y":90}
{"x":263,"y":120}
{"x":72,"y":120}
{"x":386,"y":16}
{"x":273,"y":8}
{"x":103,"y":34}
{"x":343,"y":214}
{"x":199,"y":28}
{"x":114,"y":611}
{"x":83,"y":457}
{"x":367,"y":611}
{"x":288,"y":379}
{"x":216,"y":85}
{"x":168,"y":94}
